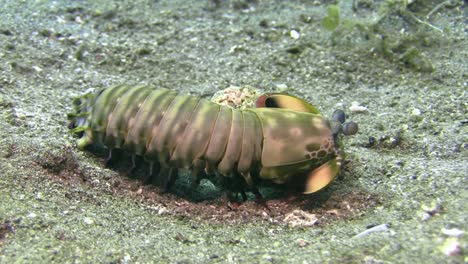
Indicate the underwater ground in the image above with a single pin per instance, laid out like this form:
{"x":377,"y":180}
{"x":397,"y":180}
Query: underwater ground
{"x":397,"y":67}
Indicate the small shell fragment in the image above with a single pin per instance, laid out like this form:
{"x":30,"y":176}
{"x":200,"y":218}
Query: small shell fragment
{"x":454,"y":232}
{"x":378,"y":228}
{"x":282,"y":87}
{"x":236,"y":97}
{"x":294,"y":34}
{"x":356,"y":107}
{"x":300,"y":218}
{"x":416,"y":112}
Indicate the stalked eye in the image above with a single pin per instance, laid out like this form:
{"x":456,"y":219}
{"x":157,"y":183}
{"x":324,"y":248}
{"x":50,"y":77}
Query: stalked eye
{"x":339,"y":115}
{"x":338,"y":125}
{"x":350,"y":128}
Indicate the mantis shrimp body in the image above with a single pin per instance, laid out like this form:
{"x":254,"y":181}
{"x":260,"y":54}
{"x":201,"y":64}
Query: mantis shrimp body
{"x":282,"y":140}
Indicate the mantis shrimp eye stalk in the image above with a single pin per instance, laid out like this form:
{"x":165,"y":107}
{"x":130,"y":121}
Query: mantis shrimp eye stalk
{"x":349,"y":128}
{"x":339,"y":126}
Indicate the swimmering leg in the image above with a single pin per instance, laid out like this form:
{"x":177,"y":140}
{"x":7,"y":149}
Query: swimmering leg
{"x":109,"y":157}
{"x":167,"y":177}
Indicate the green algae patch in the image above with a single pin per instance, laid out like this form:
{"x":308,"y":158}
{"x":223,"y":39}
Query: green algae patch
{"x":332,"y":20}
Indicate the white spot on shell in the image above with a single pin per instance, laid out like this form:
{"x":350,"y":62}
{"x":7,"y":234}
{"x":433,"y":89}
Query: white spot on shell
{"x":295,"y":132}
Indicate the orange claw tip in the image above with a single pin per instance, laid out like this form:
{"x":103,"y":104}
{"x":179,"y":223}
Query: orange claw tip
{"x":321,"y":176}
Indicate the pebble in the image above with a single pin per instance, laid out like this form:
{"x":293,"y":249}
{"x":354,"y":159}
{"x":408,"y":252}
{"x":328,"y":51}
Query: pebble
{"x":294,"y":34}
